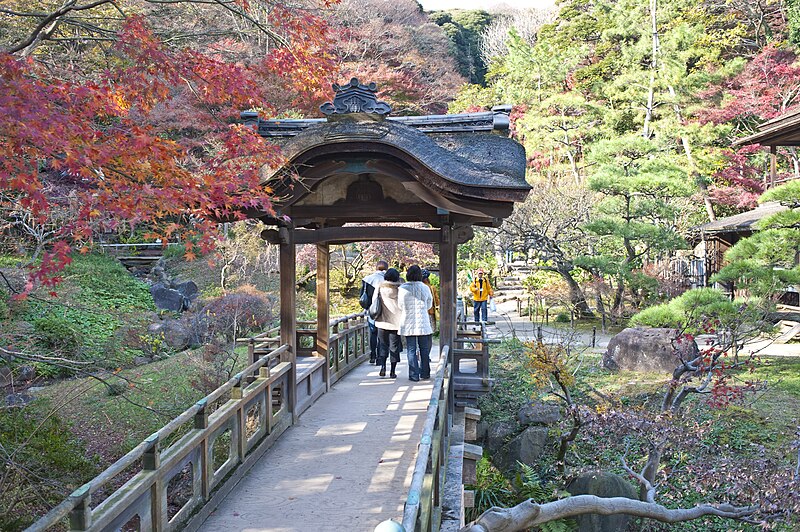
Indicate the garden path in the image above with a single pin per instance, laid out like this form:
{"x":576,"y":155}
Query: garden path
{"x":346,"y":464}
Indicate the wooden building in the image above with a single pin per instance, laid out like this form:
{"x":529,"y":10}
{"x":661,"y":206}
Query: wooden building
{"x":349,"y":176}
{"x":714,"y":238}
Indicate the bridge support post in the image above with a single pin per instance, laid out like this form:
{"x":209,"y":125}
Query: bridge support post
{"x":447,"y":301}
{"x":286,"y":261}
{"x":323,"y":310}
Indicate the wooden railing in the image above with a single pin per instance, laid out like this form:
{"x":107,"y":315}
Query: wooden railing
{"x":348,"y":345}
{"x":227,"y":432}
{"x":423,"y":505}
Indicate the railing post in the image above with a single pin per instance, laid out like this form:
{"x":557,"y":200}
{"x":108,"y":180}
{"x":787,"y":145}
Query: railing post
{"x":237,"y":394}
{"x":201,"y":423}
{"x":151,"y":461}
{"x":80,"y":518}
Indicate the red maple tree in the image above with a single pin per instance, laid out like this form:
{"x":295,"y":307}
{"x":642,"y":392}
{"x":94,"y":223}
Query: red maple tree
{"x":153,"y":138}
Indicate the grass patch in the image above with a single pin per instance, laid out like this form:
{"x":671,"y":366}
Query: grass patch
{"x":97,"y":298}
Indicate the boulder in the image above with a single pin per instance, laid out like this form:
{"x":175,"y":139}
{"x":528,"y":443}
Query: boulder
{"x":528,"y":447}
{"x":168,"y":299}
{"x":177,"y":335}
{"x":536,"y":413}
{"x":188,"y":289}
{"x":26,"y":373}
{"x":602,"y":484}
{"x":499,"y":434}
{"x":141,"y":361}
{"x":647,"y":349}
{"x":18,"y":399}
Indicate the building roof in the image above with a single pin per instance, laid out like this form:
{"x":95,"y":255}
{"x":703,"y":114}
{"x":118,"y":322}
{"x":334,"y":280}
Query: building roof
{"x":783,"y":130}
{"x":742,"y":222}
{"x":360,"y":165}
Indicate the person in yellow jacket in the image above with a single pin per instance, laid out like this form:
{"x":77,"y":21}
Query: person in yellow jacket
{"x":481,"y":294}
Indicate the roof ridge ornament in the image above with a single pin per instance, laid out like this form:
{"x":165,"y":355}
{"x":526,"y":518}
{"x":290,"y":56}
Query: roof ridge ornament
{"x":355,"y":98}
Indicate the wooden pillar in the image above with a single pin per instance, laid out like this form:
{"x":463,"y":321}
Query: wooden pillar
{"x":323,"y":310}
{"x":447,"y":278}
{"x":288,"y":312}
{"x":773,"y":166}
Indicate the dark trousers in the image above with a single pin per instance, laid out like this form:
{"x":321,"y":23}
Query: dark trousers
{"x":373,"y":339}
{"x":419,"y":367}
{"x":389,"y":346}
{"x":481,"y":307}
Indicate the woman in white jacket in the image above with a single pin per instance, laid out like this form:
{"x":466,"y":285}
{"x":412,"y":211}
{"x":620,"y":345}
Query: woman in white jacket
{"x":388,"y":323}
{"x":414,"y":299}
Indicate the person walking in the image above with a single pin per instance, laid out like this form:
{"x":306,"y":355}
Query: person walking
{"x":426,"y":280}
{"x":481,"y":294}
{"x":414,"y":300}
{"x":368,"y":286}
{"x":388,"y":323}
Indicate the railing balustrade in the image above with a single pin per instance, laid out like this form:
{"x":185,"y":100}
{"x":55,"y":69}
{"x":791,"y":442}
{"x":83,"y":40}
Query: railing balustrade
{"x":254,"y":413}
{"x":243,"y":418}
{"x":423,"y":507}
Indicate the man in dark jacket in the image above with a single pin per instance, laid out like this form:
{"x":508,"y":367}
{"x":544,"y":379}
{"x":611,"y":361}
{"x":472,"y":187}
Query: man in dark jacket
{"x":368,"y":285}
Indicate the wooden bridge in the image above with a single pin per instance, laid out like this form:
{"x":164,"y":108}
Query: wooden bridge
{"x":356,"y":176}
{"x":373,"y":449}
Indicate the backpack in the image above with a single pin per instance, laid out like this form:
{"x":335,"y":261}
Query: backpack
{"x":367,"y":290}
{"x":376,"y":308}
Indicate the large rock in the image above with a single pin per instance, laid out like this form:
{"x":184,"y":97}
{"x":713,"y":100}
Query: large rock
{"x":188,"y":289}
{"x":528,"y":447}
{"x":605,"y":485}
{"x":166,"y":298}
{"x":176,"y":334}
{"x":536,"y":413}
{"x":648,"y":350}
{"x":499,"y":434}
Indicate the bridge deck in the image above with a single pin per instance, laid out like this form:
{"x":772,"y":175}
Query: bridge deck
{"x":346,"y":465}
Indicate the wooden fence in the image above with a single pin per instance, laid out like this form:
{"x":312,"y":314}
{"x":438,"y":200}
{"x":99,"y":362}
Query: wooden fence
{"x":423,"y":507}
{"x":227,"y":430}
{"x":180,"y":473}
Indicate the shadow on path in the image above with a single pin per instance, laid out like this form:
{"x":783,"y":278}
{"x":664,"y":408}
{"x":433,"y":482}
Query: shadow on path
{"x":345,"y":466}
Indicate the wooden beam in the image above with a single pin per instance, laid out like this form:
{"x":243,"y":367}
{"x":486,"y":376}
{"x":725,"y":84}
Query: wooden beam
{"x":286,"y":261}
{"x":341,"y":235}
{"x":447,"y":277}
{"x":447,"y":301}
{"x":380,"y":211}
{"x":323,"y":310}
{"x":773,"y":166}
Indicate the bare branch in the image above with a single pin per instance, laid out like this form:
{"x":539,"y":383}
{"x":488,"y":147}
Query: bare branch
{"x":530,"y":514}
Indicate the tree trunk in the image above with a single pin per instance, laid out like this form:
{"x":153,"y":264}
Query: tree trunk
{"x":576,"y":296}
{"x":528,"y":514}
{"x":687,"y":150}
{"x":648,"y":117}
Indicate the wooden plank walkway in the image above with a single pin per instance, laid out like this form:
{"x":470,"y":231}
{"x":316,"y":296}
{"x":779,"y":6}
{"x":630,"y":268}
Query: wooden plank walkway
{"x":346,"y":465}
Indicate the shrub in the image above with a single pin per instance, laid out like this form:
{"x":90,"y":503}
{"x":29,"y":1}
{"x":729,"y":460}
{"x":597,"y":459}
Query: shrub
{"x":562,"y":317}
{"x":228,"y":316}
{"x":658,"y":316}
{"x":57,"y":333}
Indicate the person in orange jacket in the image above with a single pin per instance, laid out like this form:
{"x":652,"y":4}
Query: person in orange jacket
{"x":481,"y":294}
{"x":426,"y":280}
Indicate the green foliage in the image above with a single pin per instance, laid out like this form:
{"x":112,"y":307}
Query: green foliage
{"x":491,"y":489}
{"x":766,"y":261}
{"x":98,"y":297}
{"x":697,"y":309}
{"x":5,"y":310}
{"x":56,"y":332}
{"x":562,"y":317}
{"x":106,"y":284}
{"x":464,"y":28}
{"x":793,"y":15}
{"x":41,"y":448}
{"x":175,"y":251}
